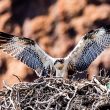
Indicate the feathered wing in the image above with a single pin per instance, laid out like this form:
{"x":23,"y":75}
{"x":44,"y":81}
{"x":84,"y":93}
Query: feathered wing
{"x":28,"y":52}
{"x":88,"y":48}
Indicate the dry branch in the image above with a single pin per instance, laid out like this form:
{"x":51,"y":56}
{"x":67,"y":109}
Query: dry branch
{"x":56,"y":94}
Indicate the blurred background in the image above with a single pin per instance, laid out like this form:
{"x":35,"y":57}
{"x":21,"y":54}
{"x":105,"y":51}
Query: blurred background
{"x":56,"y":25}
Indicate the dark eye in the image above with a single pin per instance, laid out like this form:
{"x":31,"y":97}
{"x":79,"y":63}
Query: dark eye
{"x":62,"y":61}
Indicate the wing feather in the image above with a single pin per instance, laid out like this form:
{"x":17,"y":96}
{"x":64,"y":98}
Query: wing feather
{"x":88,"y":48}
{"x":27,"y":51}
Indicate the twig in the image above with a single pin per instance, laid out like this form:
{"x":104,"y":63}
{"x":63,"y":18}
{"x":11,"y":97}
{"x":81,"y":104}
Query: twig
{"x":17,"y":77}
{"x":69,"y":105}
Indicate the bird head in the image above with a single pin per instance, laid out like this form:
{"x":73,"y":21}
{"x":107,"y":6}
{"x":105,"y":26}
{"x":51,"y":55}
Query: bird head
{"x":59,"y":64}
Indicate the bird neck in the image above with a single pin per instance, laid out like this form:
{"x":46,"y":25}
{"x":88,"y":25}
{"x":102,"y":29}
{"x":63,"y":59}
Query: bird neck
{"x":61,"y":73}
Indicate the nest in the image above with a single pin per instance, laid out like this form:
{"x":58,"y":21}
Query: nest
{"x":57,"y":94}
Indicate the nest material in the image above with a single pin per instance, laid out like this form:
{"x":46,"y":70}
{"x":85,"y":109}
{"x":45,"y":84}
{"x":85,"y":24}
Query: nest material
{"x":56,"y":94}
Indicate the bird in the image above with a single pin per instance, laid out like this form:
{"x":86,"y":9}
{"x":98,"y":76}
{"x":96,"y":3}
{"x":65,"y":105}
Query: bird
{"x":91,"y":45}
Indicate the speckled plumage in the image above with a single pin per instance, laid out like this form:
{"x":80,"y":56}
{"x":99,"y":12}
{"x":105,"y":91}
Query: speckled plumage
{"x":28,"y":52}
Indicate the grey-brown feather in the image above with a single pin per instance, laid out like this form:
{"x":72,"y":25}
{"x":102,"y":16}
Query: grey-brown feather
{"x":27,"y":52}
{"x":89,"y":47}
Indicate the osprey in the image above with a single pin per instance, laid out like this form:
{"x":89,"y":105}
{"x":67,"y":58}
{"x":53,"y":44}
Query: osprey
{"x":28,"y":52}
